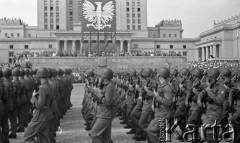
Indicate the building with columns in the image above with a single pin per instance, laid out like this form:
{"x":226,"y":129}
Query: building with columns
{"x":220,"y":42}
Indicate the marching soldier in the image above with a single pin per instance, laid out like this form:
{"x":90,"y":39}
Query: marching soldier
{"x":8,"y":106}
{"x":101,"y":130}
{"x":41,"y":100}
{"x":3,"y":100}
{"x":163,"y":105}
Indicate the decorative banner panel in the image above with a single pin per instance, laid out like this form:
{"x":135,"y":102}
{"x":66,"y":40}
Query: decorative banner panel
{"x":99,"y":16}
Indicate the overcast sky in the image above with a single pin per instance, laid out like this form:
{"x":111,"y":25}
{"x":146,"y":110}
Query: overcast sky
{"x":196,"y":15}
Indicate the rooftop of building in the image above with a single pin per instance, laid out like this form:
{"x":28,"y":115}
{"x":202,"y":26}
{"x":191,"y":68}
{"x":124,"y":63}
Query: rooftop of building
{"x":169,"y":23}
{"x":229,"y":20}
{"x":12,"y":22}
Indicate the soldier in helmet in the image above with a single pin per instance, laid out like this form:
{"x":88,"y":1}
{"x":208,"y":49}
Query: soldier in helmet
{"x":181,"y":109}
{"x":163,"y":105}
{"x":3,"y":100}
{"x":17,"y":89}
{"x":29,"y":87}
{"x":146,"y":95}
{"x":61,"y":85}
{"x":22,"y":109}
{"x":214,"y":96}
{"x":101,"y":130}
{"x":41,"y":100}
{"x":7,"y":73}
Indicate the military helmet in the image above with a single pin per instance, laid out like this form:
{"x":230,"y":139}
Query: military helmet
{"x":15,"y":72}
{"x":27,"y":72}
{"x":184,"y":72}
{"x":227,"y":73}
{"x":198,"y":72}
{"x":54,"y":72}
{"x":1,"y":73}
{"x":7,"y":72}
{"x":50,"y":72}
{"x":43,"y":73}
{"x":66,"y":71}
{"x":60,"y":71}
{"x":34,"y":71}
{"x":139,"y":71}
{"x":22,"y":72}
{"x":90,"y":72}
{"x":133,"y":72}
{"x":106,"y":73}
{"x":164,"y":72}
{"x":147,"y":72}
{"x":214,"y":73}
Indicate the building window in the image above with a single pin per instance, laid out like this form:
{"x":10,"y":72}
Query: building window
{"x":184,"y":53}
{"x":71,"y":13}
{"x":51,"y":27}
{"x":139,"y":15}
{"x":133,"y":3}
{"x":71,"y":19}
{"x":128,"y":15}
{"x":139,"y":27}
{"x":133,"y":15}
{"x":51,"y":20}
{"x":57,"y":8}
{"x":138,"y":3}
{"x":139,"y":21}
{"x":170,"y":35}
{"x":164,"y":35}
{"x":51,"y":8}
{"x":133,"y":21}
{"x":57,"y":20}
{"x":57,"y":27}
{"x":133,"y":9}
{"x":127,"y":3}
{"x":127,"y":9}
{"x":45,"y":8}
{"x":45,"y":14}
{"x":158,"y":46}
{"x":11,"y":47}
{"x":171,"y":46}
{"x":128,"y":27}
{"x":133,"y":27}
{"x":175,"y":35}
{"x":18,"y":35}
{"x":128,"y":20}
{"x":45,"y":20}
{"x":29,"y":35}
{"x":25,"y":46}
{"x":139,"y":9}
{"x":50,"y":46}
{"x":57,"y":14}
{"x":51,"y":14}
{"x":12,"y":35}
{"x":184,"y":46}
{"x":154,"y":35}
{"x":6,"y":35}
{"x":45,"y":27}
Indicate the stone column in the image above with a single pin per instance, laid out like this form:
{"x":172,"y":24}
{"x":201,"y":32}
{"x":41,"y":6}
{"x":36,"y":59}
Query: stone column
{"x":58,"y":46}
{"x":74,"y":49}
{"x":211,"y":50}
{"x":81,"y":47}
{"x":207,"y":52}
{"x":214,"y":51}
{"x":121,"y":46}
{"x":203,"y":54}
{"x":65,"y":45}
{"x":129,"y":46}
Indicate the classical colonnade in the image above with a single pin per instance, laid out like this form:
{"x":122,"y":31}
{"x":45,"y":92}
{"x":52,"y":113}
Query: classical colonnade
{"x":206,"y":51}
{"x":76,"y":46}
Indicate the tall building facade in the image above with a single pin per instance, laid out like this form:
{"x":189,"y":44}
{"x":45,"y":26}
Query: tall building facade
{"x":64,"y":14}
{"x":59,"y":14}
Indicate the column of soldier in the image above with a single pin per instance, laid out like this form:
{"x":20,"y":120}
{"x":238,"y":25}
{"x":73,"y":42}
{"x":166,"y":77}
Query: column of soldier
{"x":184,"y":96}
{"x":36,"y":99}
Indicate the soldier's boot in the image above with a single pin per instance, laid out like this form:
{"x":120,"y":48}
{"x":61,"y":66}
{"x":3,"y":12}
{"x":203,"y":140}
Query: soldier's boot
{"x":141,"y":137}
{"x":13,"y":136}
{"x":132,"y":131}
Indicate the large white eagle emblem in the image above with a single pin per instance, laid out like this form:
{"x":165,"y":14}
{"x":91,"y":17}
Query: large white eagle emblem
{"x":99,"y":17}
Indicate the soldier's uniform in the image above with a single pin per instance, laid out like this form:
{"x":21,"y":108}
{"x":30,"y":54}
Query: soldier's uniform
{"x":101,"y":130}
{"x":39,"y":125}
{"x":163,"y":105}
{"x":8,"y":106}
{"x":3,"y":100}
